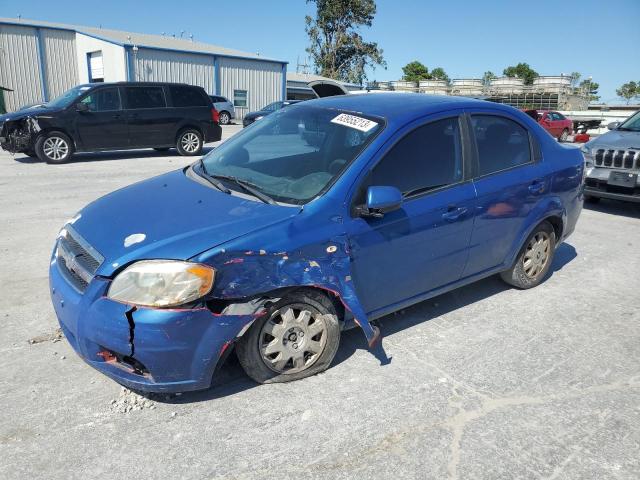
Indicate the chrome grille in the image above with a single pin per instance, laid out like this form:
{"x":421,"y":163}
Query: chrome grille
{"x":623,"y":159}
{"x":77,"y":260}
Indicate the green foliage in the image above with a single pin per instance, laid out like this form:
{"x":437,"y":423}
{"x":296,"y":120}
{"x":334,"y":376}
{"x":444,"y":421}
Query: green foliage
{"x":438,"y":73}
{"x":336,"y":46}
{"x":629,"y":91}
{"x":415,"y":71}
{"x":575,"y":78}
{"x":521,"y":70}
{"x":590,"y":88}
{"x":487,"y":77}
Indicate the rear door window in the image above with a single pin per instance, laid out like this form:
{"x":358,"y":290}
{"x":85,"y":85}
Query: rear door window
{"x":145,"y":97}
{"x":501,"y":142}
{"x":186,"y":97}
{"x":103,"y":100}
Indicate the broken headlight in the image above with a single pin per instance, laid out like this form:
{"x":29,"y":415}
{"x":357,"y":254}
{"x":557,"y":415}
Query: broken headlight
{"x":162,"y":283}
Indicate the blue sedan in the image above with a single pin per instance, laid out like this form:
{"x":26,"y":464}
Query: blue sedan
{"x":316,"y":219}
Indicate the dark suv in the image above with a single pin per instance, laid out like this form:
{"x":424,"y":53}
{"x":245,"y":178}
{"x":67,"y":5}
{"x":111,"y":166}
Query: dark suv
{"x":113,"y":116}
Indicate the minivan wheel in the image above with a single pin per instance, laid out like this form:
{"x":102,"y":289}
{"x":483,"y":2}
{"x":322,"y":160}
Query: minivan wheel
{"x":54,"y":147}
{"x":224,"y":118}
{"x":189,"y":142}
{"x":297,"y":337}
{"x":534,"y":260}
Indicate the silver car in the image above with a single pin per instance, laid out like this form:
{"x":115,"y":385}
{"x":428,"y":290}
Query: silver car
{"x":613,"y":162}
{"x":225,"y":108}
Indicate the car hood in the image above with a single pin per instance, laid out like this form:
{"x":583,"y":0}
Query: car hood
{"x":259,"y":113}
{"x":27,"y":112}
{"x":617,"y":139}
{"x":169,"y":216}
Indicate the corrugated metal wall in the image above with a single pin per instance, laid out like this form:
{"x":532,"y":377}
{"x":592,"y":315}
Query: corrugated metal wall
{"x":19,"y":66}
{"x":61,"y":64}
{"x":162,"y":66}
{"x":262,"y":80}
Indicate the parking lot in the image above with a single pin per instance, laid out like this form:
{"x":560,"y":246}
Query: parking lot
{"x":484,"y":382}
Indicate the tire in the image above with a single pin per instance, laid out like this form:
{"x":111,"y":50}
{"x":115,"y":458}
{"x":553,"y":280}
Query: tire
{"x":590,"y":199}
{"x":54,"y":147}
{"x":189,"y":142}
{"x":161,"y":149}
{"x":538,"y":252}
{"x":564,"y":135}
{"x":298,"y":337}
{"x":225,"y":118}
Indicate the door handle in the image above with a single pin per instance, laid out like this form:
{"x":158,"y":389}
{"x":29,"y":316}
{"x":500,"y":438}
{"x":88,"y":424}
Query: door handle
{"x":453,"y":213}
{"x":537,"y":186}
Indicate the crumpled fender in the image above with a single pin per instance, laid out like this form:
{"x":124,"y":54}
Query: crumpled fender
{"x":324,"y":265}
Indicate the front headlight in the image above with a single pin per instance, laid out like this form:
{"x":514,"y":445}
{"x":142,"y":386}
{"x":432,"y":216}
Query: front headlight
{"x":162,"y":283}
{"x":586,"y":150}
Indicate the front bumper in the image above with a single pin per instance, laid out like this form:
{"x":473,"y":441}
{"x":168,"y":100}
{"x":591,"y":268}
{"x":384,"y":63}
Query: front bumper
{"x":155,"y":350}
{"x":597,"y":185}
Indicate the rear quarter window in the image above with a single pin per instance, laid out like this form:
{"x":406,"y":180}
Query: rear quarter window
{"x":186,"y":97}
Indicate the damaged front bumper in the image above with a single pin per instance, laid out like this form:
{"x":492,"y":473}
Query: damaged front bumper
{"x":19,"y":135}
{"x":155,"y":350}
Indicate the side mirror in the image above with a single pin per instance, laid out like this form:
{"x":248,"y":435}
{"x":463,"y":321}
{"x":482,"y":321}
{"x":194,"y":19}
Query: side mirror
{"x":613,"y":125}
{"x":381,"y":200}
{"x":82,"y":107}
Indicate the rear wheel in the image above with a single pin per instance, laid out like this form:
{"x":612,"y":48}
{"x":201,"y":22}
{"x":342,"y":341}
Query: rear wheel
{"x":534,"y":260}
{"x":564,"y":135}
{"x":297,"y":337}
{"x":224,"y":118}
{"x":189,"y":142}
{"x":54,"y":147}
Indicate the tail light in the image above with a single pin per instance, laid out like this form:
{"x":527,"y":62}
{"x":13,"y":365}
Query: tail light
{"x":215,"y":115}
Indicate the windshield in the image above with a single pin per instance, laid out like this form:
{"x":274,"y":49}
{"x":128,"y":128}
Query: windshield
{"x":67,"y":97}
{"x":294,"y":154}
{"x":632,"y":124}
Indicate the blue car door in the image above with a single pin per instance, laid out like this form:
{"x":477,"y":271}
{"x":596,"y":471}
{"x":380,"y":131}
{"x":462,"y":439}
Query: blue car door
{"x":424,"y":244}
{"x":510,"y":179}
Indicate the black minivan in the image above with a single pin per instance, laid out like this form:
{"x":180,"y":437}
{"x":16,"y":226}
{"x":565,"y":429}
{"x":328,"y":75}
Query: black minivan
{"x":113,"y":116}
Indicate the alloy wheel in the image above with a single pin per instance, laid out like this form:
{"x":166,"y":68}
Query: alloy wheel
{"x":293,"y":339}
{"x":190,"y":142}
{"x":536,"y":254}
{"x":224,"y":118}
{"x":55,"y":148}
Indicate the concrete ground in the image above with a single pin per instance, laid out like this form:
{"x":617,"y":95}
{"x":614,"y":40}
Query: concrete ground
{"x":485,"y":382}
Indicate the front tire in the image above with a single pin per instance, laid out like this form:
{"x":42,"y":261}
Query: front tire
{"x":224,"y":118}
{"x":189,"y":142}
{"x":534,"y":260}
{"x":564,"y":135}
{"x":297,"y":337}
{"x":54,"y":147}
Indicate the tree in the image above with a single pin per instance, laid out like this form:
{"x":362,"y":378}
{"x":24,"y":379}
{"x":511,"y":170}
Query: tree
{"x":336,"y":46}
{"x":628,"y":91}
{"x":590,"y":88}
{"x":438,"y":73}
{"x":575,"y":78}
{"x":487,"y":77}
{"x":523,"y":71}
{"x":415,"y":71}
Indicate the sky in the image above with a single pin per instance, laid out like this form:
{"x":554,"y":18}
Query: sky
{"x":598,"y":38}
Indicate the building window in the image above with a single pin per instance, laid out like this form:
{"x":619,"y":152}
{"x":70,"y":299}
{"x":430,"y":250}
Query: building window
{"x":96,"y":66}
{"x":240,"y":98}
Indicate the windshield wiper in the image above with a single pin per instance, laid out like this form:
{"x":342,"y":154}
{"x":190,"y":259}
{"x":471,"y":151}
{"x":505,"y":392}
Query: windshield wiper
{"x":213,"y":181}
{"x":248,"y":187}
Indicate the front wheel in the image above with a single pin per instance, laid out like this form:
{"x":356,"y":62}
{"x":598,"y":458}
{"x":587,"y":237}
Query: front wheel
{"x":54,"y":147}
{"x":297,"y":337}
{"x":189,"y":142}
{"x":534,"y":260}
{"x":224,"y":118}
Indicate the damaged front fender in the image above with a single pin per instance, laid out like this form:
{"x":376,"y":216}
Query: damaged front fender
{"x":327,"y":265}
{"x":19,"y":135}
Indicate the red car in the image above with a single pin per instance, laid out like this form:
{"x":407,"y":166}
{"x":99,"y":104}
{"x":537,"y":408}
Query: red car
{"x":555,"y":123}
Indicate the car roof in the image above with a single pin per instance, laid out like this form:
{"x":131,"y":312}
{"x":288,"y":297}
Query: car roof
{"x":403,"y":106}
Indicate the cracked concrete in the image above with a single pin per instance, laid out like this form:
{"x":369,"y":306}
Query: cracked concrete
{"x":485,"y":382}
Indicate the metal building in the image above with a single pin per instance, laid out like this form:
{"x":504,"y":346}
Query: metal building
{"x":40,"y":60}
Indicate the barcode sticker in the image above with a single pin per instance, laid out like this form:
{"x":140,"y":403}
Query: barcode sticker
{"x":352,"y":121}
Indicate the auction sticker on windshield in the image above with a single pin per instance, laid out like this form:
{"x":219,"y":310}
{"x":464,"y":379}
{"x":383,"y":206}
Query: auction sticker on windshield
{"x":352,"y":121}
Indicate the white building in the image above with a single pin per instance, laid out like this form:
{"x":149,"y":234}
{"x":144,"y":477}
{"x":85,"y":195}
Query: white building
{"x":40,"y":60}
